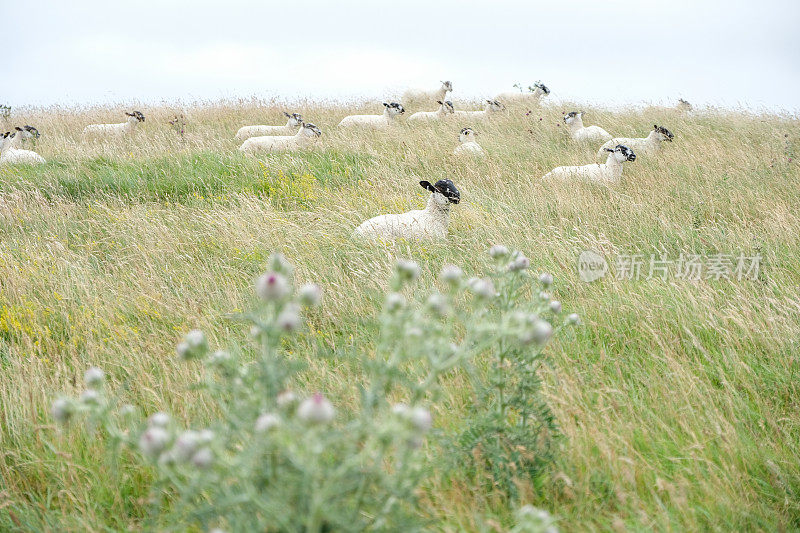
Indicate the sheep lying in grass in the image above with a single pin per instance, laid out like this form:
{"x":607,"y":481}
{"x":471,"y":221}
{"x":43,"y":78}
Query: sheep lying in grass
{"x":643,"y":145}
{"x":12,"y":154}
{"x":609,"y":172}
{"x":428,"y":223}
{"x":532,"y":97}
{"x":423,"y":96}
{"x":292,"y":124}
{"x":582,"y":133}
{"x":115,"y":130}
{"x":390,"y":112}
{"x":493,"y":108}
{"x":468,"y":144}
{"x":307,"y":134}
{"x":445,"y":109}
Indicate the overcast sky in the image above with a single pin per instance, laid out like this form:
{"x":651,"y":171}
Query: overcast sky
{"x":720,"y":52}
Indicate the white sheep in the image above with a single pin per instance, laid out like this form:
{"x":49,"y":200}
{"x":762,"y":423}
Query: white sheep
{"x":609,"y":172}
{"x":642,"y":145}
{"x":390,"y":112}
{"x":428,"y":223}
{"x":582,"y":133}
{"x":424,"y":96}
{"x":468,"y":144}
{"x":12,"y":154}
{"x":493,"y":108}
{"x":115,"y":130}
{"x":532,"y":97}
{"x":307,"y":134}
{"x":290,"y":128}
{"x":445,"y":109}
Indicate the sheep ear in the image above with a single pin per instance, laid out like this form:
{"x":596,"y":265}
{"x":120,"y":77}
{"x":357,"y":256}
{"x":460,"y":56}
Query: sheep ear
{"x":655,"y":126}
{"x":385,"y":104}
{"x":427,"y":186}
{"x":18,"y":128}
{"x":287,"y":114}
{"x":439,"y":102}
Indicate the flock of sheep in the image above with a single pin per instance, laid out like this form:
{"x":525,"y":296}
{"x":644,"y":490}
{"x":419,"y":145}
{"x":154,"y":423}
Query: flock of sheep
{"x":431,"y":222}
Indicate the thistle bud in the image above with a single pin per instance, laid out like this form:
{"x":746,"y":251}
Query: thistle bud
{"x":309,"y":295}
{"x":400,"y":409}
{"x":219,"y":358}
{"x":421,"y":419}
{"x":555,"y":306}
{"x":127,"y":410}
{"x":438,"y":304}
{"x":272,"y":286}
{"x":194,"y":345}
{"x":90,"y":397}
{"x":286,"y":398}
{"x":542,"y":331}
{"x":62,"y":410}
{"x":574,"y":319}
{"x":451,"y":275}
{"x":278,"y":263}
{"x":519,"y":262}
{"x":266,"y":422}
{"x":203,"y":458}
{"x":407,"y":270}
{"x":94,"y":377}
{"x":544,"y":296}
{"x":394,"y":302}
{"x":482,"y":288}
{"x":185,"y":445}
{"x":316,"y":410}
{"x":289,"y":319}
{"x":545,"y":279}
{"x":158,"y":420}
{"x":498,"y":251}
{"x":153,"y":441}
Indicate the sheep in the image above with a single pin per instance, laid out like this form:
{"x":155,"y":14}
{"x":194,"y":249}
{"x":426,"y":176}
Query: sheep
{"x":428,"y":223}
{"x":390,"y":111}
{"x":292,"y":124}
{"x":11,"y":154}
{"x":468,"y":144}
{"x":307,"y":134}
{"x":425,"y":96}
{"x":610,"y":171}
{"x":115,"y":130}
{"x":532,"y":97}
{"x":582,"y":133}
{"x":445,"y":109}
{"x":493,"y":107}
{"x":28,"y":134}
{"x":683,"y":105}
{"x":645,"y":145}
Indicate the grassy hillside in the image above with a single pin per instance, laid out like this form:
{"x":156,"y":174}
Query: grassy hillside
{"x":679,"y":400}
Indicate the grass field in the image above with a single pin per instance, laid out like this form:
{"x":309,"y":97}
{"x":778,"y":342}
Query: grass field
{"x":679,"y":400}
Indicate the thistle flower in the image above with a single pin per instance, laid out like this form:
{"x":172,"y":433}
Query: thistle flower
{"x":518,"y":262}
{"x":272,"y":286}
{"x":545,"y":279}
{"x":316,"y":409}
{"x":62,"y":410}
{"x":309,"y":295}
{"x":574,"y":319}
{"x":498,"y":251}
{"x":407,"y":270}
{"x":555,"y":306}
{"x":482,"y":288}
{"x":395,"y":301}
{"x":289,"y":319}
{"x":266,"y":422}
{"x":94,"y":377}
{"x":286,"y":398}
{"x":153,"y":441}
{"x":451,"y":275}
{"x":158,"y":420}
{"x":90,"y":397}
{"x":203,"y":458}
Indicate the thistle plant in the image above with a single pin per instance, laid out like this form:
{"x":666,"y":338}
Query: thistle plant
{"x":279,"y":458}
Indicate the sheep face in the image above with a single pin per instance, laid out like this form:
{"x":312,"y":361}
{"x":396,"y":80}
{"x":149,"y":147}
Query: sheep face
{"x":542,"y":86}
{"x":447,"y":107}
{"x":466,"y":135}
{"x":571,"y":117}
{"x":394,"y":109}
{"x":29,"y":132}
{"x":684,"y":104}
{"x":134,"y":117}
{"x":447,"y":86}
{"x":444,"y":192}
{"x":663,"y":133}
{"x":494,"y":106}
{"x":310,"y":130}
{"x":622,"y":153}
{"x":295,"y":119}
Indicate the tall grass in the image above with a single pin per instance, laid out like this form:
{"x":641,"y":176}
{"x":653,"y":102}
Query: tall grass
{"x":678,"y":400}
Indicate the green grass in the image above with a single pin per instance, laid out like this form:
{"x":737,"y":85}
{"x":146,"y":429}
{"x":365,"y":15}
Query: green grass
{"x":678,"y":400}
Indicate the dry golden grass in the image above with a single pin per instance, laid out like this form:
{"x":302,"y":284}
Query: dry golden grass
{"x":679,"y":400}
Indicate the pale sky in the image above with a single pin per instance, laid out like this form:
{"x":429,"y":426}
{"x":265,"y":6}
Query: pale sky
{"x":613,"y":52}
